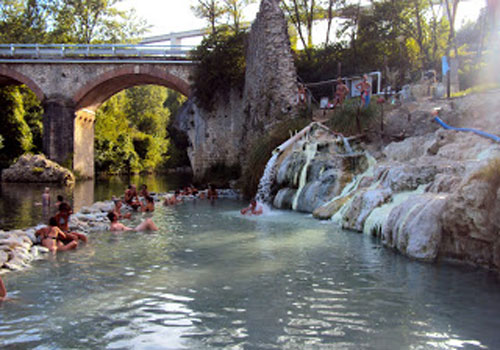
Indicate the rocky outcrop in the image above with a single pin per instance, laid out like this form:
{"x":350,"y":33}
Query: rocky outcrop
{"x":223,"y":136}
{"x":314,"y":169}
{"x":37,"y":168}
{"x":471,"y":220}
{"x":435,"y":195}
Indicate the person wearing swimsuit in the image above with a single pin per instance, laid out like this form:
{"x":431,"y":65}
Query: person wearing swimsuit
{"x":62,"y":218}
{"x":365,"y":88}
{"x":51,"y":238}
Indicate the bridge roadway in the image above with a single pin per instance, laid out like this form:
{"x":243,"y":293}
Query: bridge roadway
{"x":72,"y":81}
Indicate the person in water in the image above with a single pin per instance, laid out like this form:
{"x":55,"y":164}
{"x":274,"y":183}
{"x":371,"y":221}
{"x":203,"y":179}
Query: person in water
{"x":149,"y":206}
{"x":51,"y":237}
{"x":144,"y":191}
{"x":118,"y":209}
{"x":253,"y":209}
{"x":46,"y":197}
{"x":146,"y":225}
{"x":212,"y":192}
{"x":174,"y":199}
{"x":62,"y":218}
{"x":60,"y":199}
{"x":131,"y":197}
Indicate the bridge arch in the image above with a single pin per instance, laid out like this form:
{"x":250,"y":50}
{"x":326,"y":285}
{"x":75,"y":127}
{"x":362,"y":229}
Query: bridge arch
{"x":93,"y":94}
{"x":96,"y":92}
{"x":12,"y":77}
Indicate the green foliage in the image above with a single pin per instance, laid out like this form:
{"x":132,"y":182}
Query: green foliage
{"x":221,"y":68}
{"x":262,"y":149}
{"x":344,"y":119}
{"x":34,"y":117}
{"x":13,"y":128}
{"x":93,"y":21}
{"x":130,"y":132}
{"x":1,"y":142}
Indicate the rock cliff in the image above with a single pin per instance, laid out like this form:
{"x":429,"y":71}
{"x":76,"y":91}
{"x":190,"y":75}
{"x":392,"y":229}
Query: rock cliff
{"x":222,"y":136}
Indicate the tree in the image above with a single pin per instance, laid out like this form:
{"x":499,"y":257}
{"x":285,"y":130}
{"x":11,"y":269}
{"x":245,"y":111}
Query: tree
{"x":303,"y":14}
{"x":14,"y":130}
{"x":24,"y":21}
{"x":210,"y":10}
{"x":91,"y":21}
{"x":234,"y":10}
{"x":451,"y":7}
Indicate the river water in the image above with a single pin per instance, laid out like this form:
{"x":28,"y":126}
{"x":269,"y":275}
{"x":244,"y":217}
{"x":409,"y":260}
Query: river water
{"x":19,"y":203}
{"x":212,"y":279}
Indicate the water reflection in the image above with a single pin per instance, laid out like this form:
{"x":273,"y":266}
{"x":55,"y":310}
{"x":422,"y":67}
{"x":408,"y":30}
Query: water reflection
{"x":20,"y":203}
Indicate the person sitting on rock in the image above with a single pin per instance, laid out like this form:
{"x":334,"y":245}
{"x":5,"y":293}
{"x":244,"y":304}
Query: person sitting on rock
{"x":62,"y":218}
{"x":117,"y":210}
{"x":253,"y":209}
{"x":146,"y":225}
{"x":130,"y":195}
{"x":149,"y":206}
{"x":51,"y":237}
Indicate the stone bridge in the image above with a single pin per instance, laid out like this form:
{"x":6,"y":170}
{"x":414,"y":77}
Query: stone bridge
{"x":73,"y":81}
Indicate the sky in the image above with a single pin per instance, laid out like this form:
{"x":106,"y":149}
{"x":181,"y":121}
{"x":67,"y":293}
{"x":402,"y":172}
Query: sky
{"x":167,"y":16}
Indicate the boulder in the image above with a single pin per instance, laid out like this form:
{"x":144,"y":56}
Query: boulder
{"x":362,"y":204}
{"x":414,"y":227}
{"x":37,"y":168}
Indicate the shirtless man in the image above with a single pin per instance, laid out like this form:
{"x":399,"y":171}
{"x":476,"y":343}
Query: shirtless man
{"x":252,"y":209}
{"x":130,"y":195}
{"x":62,"y":218}
{"x":340,"y":92}
{"x":365,"y":88}
{"x":146,"y":225}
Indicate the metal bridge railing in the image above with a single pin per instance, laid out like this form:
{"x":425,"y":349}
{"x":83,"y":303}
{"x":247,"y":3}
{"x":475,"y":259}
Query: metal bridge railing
{"x":104,"y":51}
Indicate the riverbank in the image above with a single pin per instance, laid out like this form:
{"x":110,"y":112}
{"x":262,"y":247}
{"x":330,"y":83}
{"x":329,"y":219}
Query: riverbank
{"x":19,"y":248}
{"x":431,"y":195}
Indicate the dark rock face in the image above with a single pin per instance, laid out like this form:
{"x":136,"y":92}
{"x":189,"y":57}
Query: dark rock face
{"x":37,"y":168}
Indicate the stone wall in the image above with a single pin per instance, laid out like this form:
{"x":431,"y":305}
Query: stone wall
{"x":223,"y":136}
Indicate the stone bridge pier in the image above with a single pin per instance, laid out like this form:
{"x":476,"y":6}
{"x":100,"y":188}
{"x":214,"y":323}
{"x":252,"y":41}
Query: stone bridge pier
{"x":71,"y":93}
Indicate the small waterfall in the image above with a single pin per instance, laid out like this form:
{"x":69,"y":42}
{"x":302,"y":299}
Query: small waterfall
{"x":347,"y":146}
{"x":310,"y":151}
{"x":267,"y":179}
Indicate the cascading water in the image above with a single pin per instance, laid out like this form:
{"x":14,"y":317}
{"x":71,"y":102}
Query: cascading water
{"x":347,"y":146}
{"x":267,"y":179}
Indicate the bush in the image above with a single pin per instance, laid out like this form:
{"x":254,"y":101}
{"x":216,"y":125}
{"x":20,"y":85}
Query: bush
{"x":221,"y":67}
{"x":344,"y":119}
{"x":262,"y":149}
